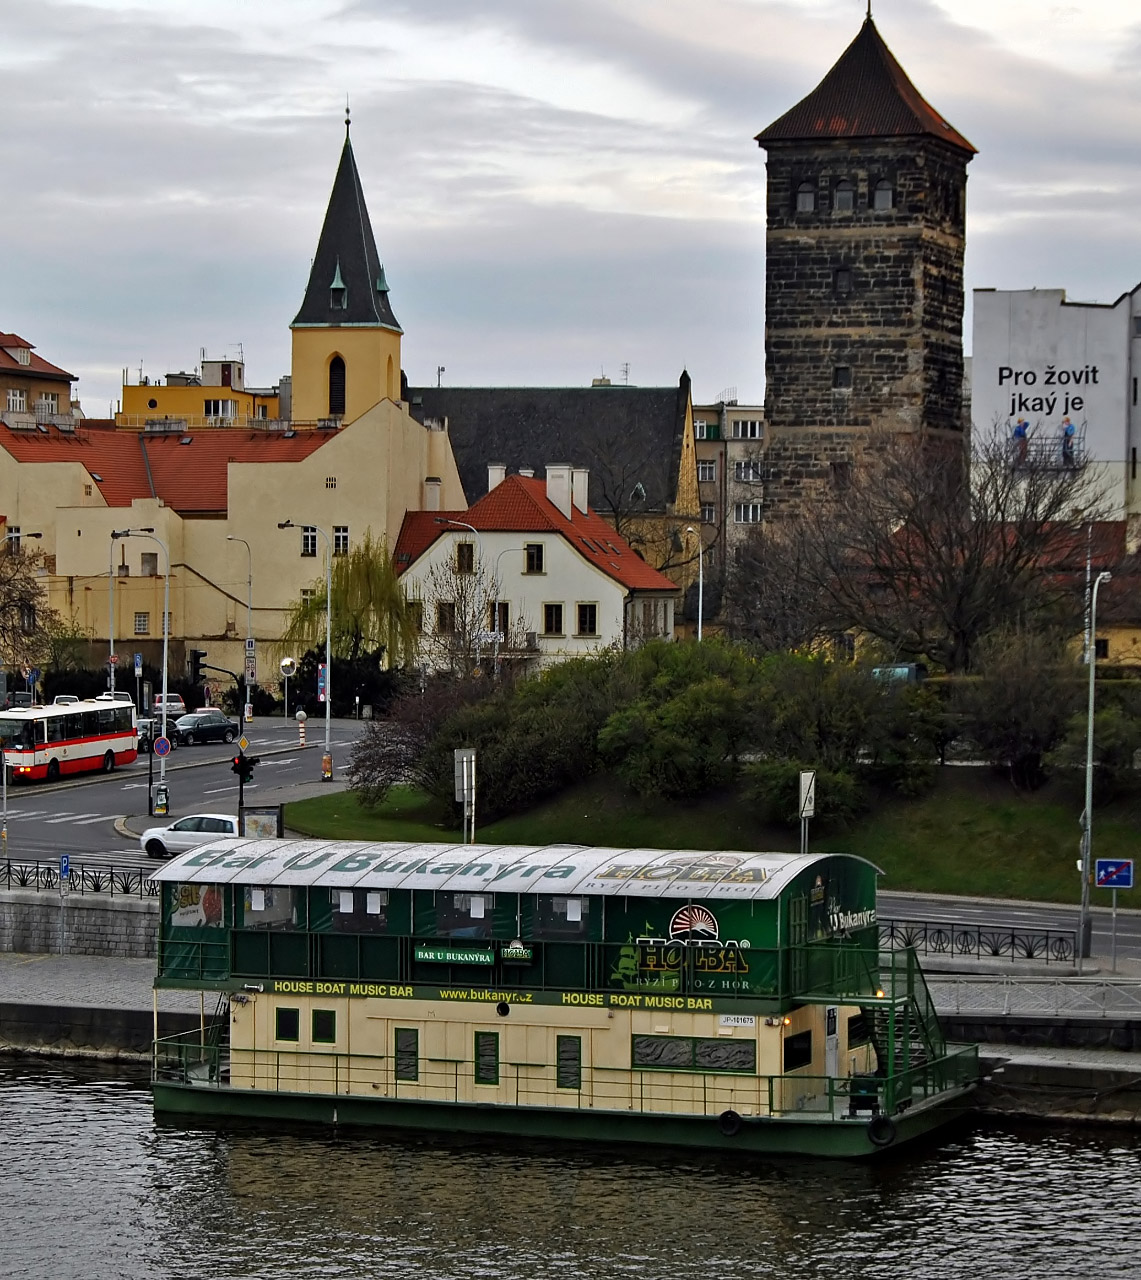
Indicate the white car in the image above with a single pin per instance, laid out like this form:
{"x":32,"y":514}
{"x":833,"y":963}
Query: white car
{"x":187,"y":833}
{"x":174,"y":706}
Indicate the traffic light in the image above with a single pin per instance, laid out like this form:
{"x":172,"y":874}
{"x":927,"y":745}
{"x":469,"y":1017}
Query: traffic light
{"x":194,"y":661}
{"x":243,"y":766}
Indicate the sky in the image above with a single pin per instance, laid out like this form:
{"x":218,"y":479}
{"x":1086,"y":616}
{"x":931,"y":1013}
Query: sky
{"x":559,"y":188}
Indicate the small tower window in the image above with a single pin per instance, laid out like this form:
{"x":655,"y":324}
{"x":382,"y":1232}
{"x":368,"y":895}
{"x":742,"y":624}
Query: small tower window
{"x":842,"y":377}
{"x":842,"y":280}
{"x":845,"y":197}
{"x":805,"y":198}
{"x":336,"y":387}
{"x":338,"y":294}
{"x":884,"y":195}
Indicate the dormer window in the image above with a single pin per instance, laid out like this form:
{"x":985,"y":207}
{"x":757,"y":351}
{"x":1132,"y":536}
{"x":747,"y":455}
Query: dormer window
{"x":805,"y":198}
{"x":884,"y":195}
{"x":338,"y":294}
{"x":844,"y":200}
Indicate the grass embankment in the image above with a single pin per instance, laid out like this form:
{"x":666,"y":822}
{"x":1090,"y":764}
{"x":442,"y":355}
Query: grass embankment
{"x":973,"y":834}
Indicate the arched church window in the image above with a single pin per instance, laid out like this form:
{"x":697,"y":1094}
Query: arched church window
{"x":336,"y":387}
{"x":885,"y":195}
{"x":805,"y":198}
{"x":844,"y":200}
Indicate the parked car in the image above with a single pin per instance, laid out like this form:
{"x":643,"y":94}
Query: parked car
{"x":174,"y":706}
{"x":149,"y":730}
{"x":112,"y":695}
{"x":204,"y":726}
{"x":65,"y":699}
{"x":187,"y":833}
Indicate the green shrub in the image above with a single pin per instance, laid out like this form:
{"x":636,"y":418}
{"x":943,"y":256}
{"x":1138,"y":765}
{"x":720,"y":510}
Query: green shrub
{"x":772,"y":789}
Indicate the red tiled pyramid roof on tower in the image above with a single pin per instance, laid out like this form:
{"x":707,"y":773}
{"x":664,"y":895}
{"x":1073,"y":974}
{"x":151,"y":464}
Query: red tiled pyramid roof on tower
{"x":519,"y":504}
{"x":866,"y":95}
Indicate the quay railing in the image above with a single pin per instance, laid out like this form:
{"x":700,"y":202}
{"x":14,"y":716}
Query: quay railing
{"x":195,"y":1058}
{"x":84,"y":878}
{"x":979,"y":941}
{"x":1098,"y":997}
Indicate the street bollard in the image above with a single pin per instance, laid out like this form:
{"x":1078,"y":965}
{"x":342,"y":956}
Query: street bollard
{"x":301,"y":718}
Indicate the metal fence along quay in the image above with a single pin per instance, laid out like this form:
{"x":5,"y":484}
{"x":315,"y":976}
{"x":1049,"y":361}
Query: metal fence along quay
{"x":1014,"y":996}
{"x":980,"y":941}
{"x":84,"y":878}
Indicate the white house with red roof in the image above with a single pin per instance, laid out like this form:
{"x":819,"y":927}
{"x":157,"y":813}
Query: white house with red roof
{"x":529,"y":573}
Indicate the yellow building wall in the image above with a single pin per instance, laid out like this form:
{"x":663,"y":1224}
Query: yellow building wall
{"x":189,"y":403}
{"x":372,"y":370}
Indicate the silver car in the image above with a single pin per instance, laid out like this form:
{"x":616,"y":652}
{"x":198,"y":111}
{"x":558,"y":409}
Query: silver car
{"x":187,"y":833}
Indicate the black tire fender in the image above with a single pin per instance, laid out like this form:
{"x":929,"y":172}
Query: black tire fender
{"x":729,"y":1122}
{"x":881,"y":1131}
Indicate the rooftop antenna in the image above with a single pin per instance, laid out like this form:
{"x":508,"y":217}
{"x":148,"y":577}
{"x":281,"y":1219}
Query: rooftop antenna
{"x":440,"y":371}
{"x":624,"y":367}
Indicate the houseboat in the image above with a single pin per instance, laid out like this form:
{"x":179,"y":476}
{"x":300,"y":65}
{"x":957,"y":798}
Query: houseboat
{"x":690,"y":999}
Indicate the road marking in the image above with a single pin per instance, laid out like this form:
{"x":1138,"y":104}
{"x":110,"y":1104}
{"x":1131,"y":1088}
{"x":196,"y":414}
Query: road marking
{"x":278,"y":763}
{"x":87,"y":822}
{"x":71,"y":817}
{"x":27,"y":813}
{"x":218,"y":791}
{"x":133,"y":786}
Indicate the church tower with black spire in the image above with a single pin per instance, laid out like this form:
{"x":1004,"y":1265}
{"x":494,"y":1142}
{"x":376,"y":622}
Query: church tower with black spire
{"x":864,"y":272}
{"x":346,"y":339}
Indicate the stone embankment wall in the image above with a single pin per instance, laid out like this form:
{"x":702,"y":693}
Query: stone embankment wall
{"x":92,"y":924}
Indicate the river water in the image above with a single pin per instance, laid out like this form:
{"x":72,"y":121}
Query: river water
{"x":91,"y":1187}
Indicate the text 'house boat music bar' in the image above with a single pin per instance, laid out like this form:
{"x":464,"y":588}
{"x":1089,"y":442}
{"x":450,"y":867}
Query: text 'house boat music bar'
{"x":729,"y":1000}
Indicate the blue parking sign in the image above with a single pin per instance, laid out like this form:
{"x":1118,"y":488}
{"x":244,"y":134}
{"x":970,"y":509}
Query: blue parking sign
{"x":64,"y":866}
{"x":1113,"y":873}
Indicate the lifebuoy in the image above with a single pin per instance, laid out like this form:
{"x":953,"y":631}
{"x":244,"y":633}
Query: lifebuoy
{"x":729,"y":1122}
{"x":881,"y":1131}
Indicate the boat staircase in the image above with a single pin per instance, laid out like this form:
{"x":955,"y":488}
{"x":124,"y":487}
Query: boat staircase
{"x":902,"y":1023}
{"x":217,"y":1042}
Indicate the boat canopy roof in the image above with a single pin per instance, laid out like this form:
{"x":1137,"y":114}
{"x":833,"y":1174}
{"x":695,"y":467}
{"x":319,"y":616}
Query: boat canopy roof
{"x":541,"y":869}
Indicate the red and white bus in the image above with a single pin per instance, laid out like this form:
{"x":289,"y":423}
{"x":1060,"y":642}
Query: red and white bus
{"x":48,"y":742}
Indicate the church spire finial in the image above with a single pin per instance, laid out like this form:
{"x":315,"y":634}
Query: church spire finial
{"x":869,"y":10}
{"x":347,"y":102}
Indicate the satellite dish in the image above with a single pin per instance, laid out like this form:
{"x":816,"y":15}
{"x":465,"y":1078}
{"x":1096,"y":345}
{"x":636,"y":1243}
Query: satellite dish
{"x":289,"y":666}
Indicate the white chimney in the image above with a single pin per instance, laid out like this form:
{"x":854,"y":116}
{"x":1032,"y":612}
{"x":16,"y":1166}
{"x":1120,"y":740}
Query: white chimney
{"x":580,"y":483}
{"x":432,"y":493}
{"x":559,"y":487}
{"x":496,"y":474}
{"x":527,"y":472}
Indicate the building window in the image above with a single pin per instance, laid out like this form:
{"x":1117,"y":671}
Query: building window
{"x":262,"y":412}
{"x":842,"y":377}
{"x":27,"y":619}
{"x":336,"y":387}
{"x":700,"y":428}
{"x":797,"y":1051}
{"x":23,"y":355}
{"x":307,"y":594}
{"x":747,"y":471}
{"x":534,"y":552}
{"x":324,"y":1026}
{"x":287,"y":1024}
{"x":1137,"y":326}
{"x":330,"y":482}
{"x":487,"y":1057}
{"x":708,"y":514}
{"x":568,"y":1062}
{"x":142,"y":623}
{"x":308,"y":539}
{"x":552,"y":620}
{"x":1101,"y":648}
{"x":465,"y":557}
{"x":845,"y":197}
{"x":587,"y":620}
{"x":841,"y":474}
{"x":17,"y":400}
{"x":340,"y":539}
{"x":220,"y":408}
{"x":498,"y":616}
{"x":884,"y":197}
{"x":407,"y":1055}
{"x":12,"y":540}
{"x":842,"y":281}
{"x":445,"y":617}
{"x":416,"y":615}
{"x":806,"y":198}
{"x":149,"y":564}
{"x":87,"y":491}
{"x":706,"y":469}
{"x":746,"y":428}
{"x":747,"y":513}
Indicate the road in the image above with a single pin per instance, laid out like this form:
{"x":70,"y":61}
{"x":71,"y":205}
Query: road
{"x":78,"y":817}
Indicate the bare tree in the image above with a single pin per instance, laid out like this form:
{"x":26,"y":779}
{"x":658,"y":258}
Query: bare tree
{"x":927,"y":551}
{"x":462,"y":624}
{"x":26,"y":622}
{"x":774,"y":596}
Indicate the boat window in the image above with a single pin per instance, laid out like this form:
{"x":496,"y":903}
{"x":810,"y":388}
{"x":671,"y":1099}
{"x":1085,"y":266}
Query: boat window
{"x":324,"y":1026}
{"x":858,"y":1031}
{"x":798,"y":1051}
{"x":561,"y":917}
{"x":407,"y":1053}
{"x":487,"y":1057}
{"x":288,"y":1025}
{"x":271,"y":907}
{"x":568,"y":1062}
{"x":464,"y":915}
{"x":359,"y":910}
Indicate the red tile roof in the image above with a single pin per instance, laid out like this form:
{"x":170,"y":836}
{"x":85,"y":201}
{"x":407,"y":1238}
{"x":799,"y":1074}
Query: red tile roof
{"x":37,"y":366}
{"x":519,"y":504}
{"x":190,"y":478}
{"x":866,"y":95}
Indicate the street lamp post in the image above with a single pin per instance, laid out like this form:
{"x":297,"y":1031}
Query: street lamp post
{"x":8,"y":537}
{"x":150,"y":534}
{"x":700,"y":578}
{"x":496,"y":585}
{"x":116,"y":534}
{"x":327,"y":760}
{"x":1087,"y":815}
{"x":230,"y":537}
{"x":480,"y":592}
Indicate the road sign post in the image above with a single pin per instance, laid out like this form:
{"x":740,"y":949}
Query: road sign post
{"x":807,"y":805}
{"x":465,"y":789}
{"x":1113,"y":874}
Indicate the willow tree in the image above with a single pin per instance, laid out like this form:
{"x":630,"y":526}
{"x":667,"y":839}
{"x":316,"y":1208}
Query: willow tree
{"x":370,"y":609}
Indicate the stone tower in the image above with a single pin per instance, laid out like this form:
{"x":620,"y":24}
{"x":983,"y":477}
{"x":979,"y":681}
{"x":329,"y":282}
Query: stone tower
{"x":346,"y":340}
{"x":864,"y":273}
